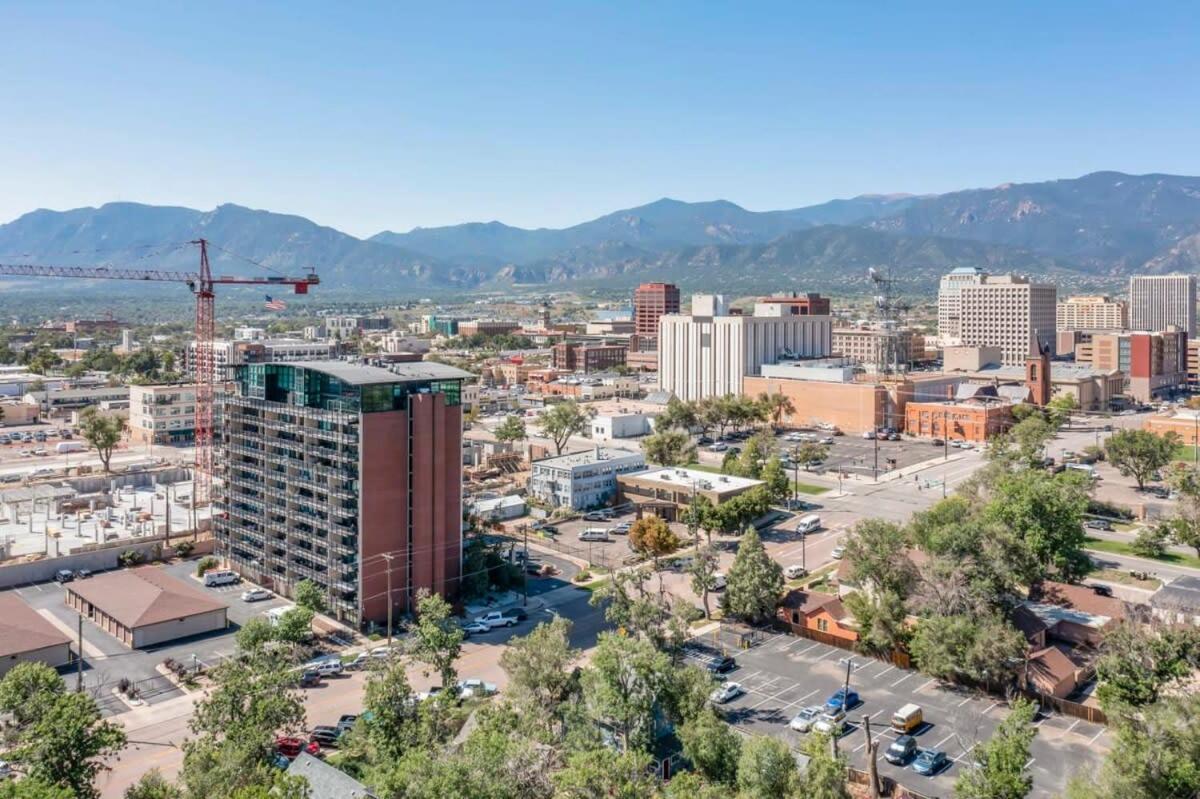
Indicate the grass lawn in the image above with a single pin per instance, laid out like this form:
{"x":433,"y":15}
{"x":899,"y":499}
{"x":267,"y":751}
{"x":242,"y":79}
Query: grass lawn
{"x":1121,"y":548}
{"x":1185,"y":453}
{"x":1125,"y":578}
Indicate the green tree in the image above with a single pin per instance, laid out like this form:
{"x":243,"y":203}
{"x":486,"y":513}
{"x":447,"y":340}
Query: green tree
{"x":984,"y":649}
{"x":776,"y":407}
{"x":825,"y":775}
{"x":250,"y":701}
{"x":1152,"y":541}
{"x":603,"y":772}
{"x":153,"y":785}
{"x":67,"y":743}
{"x":30,"y":788}
{"x":755,"y":582}
{"x":754,"y":455}
{"x":1140,"y":453}
{"x":779,"y":486}
{"x":624,"y":686}
{"x":651,"y":536}
{"x":395,"y":714}
{"x":295,"y":626}
{"x":309,"y":595}
{"x":1046,"y":512}
{"x":880,"y":616}
{"x":807,"y":452}
{"x":690,"y":785}
{"x":1060,"y":409}
{"x":436,"y":639}
{"x":562,"y":421}
{"x":511,"y":429}
{"x":677,"y":414}
{"x":254,"y":634}
{"x":669,"y":448}
{"x":1137,"y":663}
{"x":712,"y":747}
{"x":1002,"y":770}
{"x":766,"y":769}
{"x":878,"y":554}
{"x":703,"y":571}
{"x":27,"y":688}
{"x":103,"y":433}
{"x":1025,"y":442}
{"x":538,"y":666}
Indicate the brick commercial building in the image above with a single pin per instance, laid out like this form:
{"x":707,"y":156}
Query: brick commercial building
{"x":793,"y":304}
{"x":334,"y":471}
{"x":574,"y":357}
{"x":976,"y":420}
{"x":651,"y":301}
{"x":667,"y":492}
{"x":1154,"y":364}
{"x":146,"y":606}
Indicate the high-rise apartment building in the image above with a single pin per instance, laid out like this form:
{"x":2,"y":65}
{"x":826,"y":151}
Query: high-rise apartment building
{"x":950,"y":304}
{"x":344,"y":475}
{"x":1092,"y":313}
{"x":1009,"y":312}
{"x":708,"y":352}
{"x":650,"y":301}
{"x":1156,"y":302}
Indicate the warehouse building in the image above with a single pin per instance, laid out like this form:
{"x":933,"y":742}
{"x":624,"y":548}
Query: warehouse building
{"x":146,"y":606}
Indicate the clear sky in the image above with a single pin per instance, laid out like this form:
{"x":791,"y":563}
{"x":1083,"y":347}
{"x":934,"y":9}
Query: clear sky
{"x":369,"y":117}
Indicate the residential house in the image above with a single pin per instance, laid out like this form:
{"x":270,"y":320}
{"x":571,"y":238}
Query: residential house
{"x":812,"y":611}
{"x":1177,"y":602}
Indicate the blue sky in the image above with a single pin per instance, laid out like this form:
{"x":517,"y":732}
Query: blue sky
{"x":367,"y":117}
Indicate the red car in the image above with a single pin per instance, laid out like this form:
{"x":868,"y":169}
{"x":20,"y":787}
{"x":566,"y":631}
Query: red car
{"x":290,"y":747}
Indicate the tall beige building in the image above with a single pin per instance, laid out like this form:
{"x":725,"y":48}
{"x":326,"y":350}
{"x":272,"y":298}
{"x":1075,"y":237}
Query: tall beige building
{"x":707,"y":352}
{"x":1092,"y":313}
{"x":1009,"y":312}
{"x":950,"y":303}
{"x":1158,"y":301}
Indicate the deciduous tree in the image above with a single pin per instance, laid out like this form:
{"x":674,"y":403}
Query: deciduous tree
{"x":1002,"y":762}
{"x":511,"y":429}
{"x":563,"y":420}
{"x":436,"y":639}
{"x":712,"y":746}
{"x":755,"y":581}
{"x":103,"y":433}
{"x":309,"y":595}
{"x":1140,"y":453}
{"x":766,"y":769}
{"x":669,"y":448}
{"x":539,"y":669}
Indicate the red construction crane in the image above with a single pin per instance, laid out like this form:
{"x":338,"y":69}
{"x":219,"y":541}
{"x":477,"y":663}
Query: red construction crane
{"x":201,"y":284}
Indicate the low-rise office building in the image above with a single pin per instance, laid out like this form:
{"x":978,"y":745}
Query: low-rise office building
{"x":587,"y":358}
{"x":625,"y":425}
{"x":27,"y":637}
{"x":146,"y":606}
{"x":581,"y":480}
{"x":668,"y":491}
{"x":164,"y":414}
{"x":977,"y":420}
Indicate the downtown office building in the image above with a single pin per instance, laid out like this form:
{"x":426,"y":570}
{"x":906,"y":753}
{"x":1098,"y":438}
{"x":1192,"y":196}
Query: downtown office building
{"x":344,"y":475}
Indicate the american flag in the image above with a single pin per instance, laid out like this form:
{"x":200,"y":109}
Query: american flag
{"x":274,"y":305}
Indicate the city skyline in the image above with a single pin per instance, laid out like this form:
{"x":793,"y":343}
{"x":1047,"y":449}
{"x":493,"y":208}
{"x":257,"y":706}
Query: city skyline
{"x":383,"y":118}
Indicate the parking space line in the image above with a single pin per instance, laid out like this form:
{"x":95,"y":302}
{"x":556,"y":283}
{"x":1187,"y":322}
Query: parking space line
{"x":902,"y":679}
{"x":1030,"y":763}
{"x":831,"y":651}
{"x":885,"y":671}
{"x":1073,"y":725}
{"x":992,"y":707}
{"x":799,"y":701}
{"x":925,"y":685}
{"x":968,"y":699}
{"x":1097,"y":735}
{"x":938,"y":745}
{"x":808,"y":648}
{"x":966,"y":752}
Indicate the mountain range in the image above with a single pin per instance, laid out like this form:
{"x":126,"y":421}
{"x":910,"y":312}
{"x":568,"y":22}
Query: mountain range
{"x":1099,"y":226}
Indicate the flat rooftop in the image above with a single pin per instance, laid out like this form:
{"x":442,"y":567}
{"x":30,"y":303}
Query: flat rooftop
{"x":587,"y":457}
{"x":360,"y":375}
{"x":675,"y":477}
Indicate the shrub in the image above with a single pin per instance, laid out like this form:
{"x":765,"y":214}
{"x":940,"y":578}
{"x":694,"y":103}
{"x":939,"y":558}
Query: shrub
{"x":123,"y":685}
{"x":1151,"y":542}
{"x":206,"y":564}
{"x":130,"y":558}
{"x":583,"y":576}
{"x":184,"y":548}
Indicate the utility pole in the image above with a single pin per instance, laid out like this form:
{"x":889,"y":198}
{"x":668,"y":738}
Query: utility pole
{"x":525,"y":569}
{"x":387,"y":556}
{"x":804,"y":552}
{"x":795,"y":475}
{"x":872,"y":758}
{"x":875,"y":471}
{"x":945,"y":438}
{"x":846,"y":687}
{"x":79,"y":666}
{"x":168,"y":541}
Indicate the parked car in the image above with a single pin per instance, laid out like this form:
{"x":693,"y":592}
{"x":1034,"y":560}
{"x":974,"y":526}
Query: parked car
{"x":901,"y":750}
{"x":868,"y":435}
{"x":1102,"y":590}
{"x":803,"y":721}
{"x":938,"y":442}
{"x":622,"y":529}
{"x":496,"y":618}
{"x":473,"y":687}
{"x":516,"y":613}
{"x":726,"y":692}
{"x":795,"y":572}
{"x":831,"y":723}
{"x":594,"y":534}
{"x":64,"y":576}
{"x":310,"y":678}
{"x":346,"y":722}
{"x":290,"y":747}
{"x":83,"y":574}
{"x":719,"y":446}
{"x":842,"y":699}
{"x":329,"y":668}
{"x":930,"y":761}
{"x":475,"y":628}
{"x":256,"y":595}
{"x":792,"y":437}
{"x":718,"y":581}
{"x":837,"y":553}
{"x":549,"y":529}
{"x":595,"y":516}
{"x":1098,"y":524}
{"x":326,"y":735}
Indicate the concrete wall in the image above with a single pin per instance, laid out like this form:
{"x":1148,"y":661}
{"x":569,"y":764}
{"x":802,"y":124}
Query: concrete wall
{"x":162,"y":632}
{"x":38,"y":571}
{"x":53,"y":656}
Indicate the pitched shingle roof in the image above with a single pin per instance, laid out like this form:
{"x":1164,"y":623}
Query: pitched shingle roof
{"x":146,"y":595}
{"x":23,"y":629}
{"x":1077,"y":597}
{"x":325,"y":781}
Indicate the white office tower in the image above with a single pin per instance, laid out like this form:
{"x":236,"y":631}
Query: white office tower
{"x":708,"y":352}
{"x":950,"y":303}
{"x":1009,"y":312}
{"x":1158,"y":301}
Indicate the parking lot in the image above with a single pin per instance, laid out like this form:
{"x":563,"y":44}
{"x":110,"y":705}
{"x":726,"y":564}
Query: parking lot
{"x":856,"y":455}
{"x":784,"y":673}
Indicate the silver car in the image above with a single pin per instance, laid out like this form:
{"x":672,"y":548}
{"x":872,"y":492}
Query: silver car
{"x":804,"y":720}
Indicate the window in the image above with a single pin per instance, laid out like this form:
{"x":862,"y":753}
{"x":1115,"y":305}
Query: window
{"x":823,"y":625}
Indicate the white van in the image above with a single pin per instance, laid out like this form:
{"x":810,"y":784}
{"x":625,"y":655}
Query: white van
{"x":718,"y":581}
{"x":214,"y":577}
{"x":69,"y":446}
{"x":808,"y":524}
{"x":1086,"y":468}
{"x":595,"y":534}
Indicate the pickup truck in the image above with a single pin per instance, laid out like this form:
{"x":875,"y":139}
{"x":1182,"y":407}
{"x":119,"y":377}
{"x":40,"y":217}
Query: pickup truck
{"x":496,"y":619}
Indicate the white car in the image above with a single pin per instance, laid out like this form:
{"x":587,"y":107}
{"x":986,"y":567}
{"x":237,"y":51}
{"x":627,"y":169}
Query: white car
{"x":868,"y":435}
{"x":718,"y":581}
{"x":720,"y":446}
{"x":475,"y":628}
{"x":837,"y":553}
{"x":726,"y":692}
{"x":795,"y":572}
{"x":329,"y":668}
{"x":256,"y":595}
{"x":827,"y":441}
{"x":831,"y":723}
{"x":804,"y":720}
{"x":792,"y":437}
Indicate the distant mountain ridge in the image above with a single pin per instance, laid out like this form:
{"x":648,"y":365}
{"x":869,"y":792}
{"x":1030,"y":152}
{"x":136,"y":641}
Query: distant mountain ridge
{"x":1105,"y":224}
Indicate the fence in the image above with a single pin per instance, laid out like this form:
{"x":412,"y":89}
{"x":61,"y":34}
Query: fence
{"x":1069,"y":708}
{"x":595,"y":554}
{"x":897,"y":658}
{"x":149,"y":690}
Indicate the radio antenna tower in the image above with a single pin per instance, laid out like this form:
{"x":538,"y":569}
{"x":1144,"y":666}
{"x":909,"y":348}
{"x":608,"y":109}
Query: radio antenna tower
{"x":889,"y":312}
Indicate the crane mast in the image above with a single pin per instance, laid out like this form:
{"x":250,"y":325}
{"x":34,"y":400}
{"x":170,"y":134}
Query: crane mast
{"x":202,"y":284}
